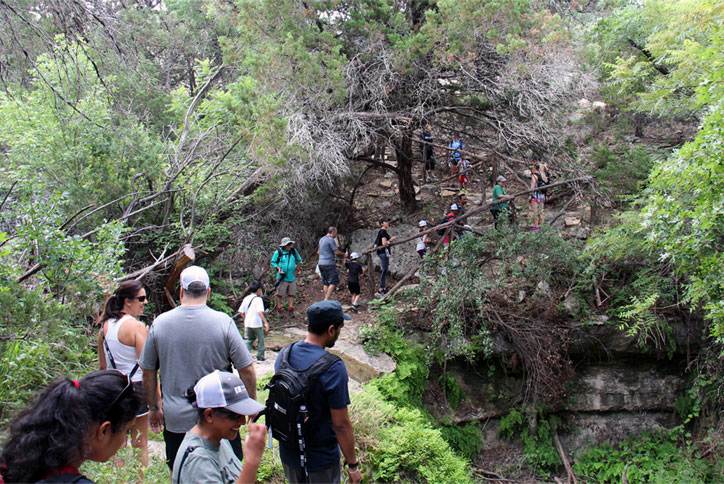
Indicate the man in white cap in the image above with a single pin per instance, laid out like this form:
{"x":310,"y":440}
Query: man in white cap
{"x":185,"y":344}
{"x":222,"y":405}
{"x":284,"y":261}
{"x":498,"y":193}
{"x":452,"y":215}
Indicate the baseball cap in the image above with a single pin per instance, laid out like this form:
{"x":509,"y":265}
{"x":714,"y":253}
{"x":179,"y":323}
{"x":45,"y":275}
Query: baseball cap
{"x":222,"y":389}
{"x":500,"y":178}
{"x":454,"y":206}
{"x":325,"y":313}
{"x":194,"y":274}
{"x":285,"y":241}
{"x":422,"y":223}
{"x":354,"y":255}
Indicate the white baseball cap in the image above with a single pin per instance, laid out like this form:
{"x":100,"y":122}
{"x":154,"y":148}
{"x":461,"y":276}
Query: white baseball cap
{"x":354,"y":255}
{"x":454,"y":206}
{"x":194,"y":274}
{"x":222,"y":389}
{"x":422,"y":223}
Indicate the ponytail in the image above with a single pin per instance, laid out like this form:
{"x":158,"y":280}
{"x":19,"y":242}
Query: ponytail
{"x":53,"y":431}
{"x":114,"y":304}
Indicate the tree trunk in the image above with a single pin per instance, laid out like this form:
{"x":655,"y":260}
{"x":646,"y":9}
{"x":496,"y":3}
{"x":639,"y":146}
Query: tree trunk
{"x":403,"y":154}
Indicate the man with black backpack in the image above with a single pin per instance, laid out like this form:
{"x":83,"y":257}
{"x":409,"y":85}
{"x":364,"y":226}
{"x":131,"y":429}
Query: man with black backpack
{"x":307,"y":405}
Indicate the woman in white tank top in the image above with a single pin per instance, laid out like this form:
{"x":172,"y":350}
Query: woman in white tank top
{"x":120,"y":342}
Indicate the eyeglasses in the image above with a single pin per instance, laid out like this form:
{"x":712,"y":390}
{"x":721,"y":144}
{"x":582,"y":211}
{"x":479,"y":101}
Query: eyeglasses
{"x":139,"y":298}
{"x":129,"y":384}
{"x":229,"y":414}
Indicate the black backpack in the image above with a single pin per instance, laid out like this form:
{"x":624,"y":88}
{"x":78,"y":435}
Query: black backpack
{"x":288,"y":391}
{"x":443,"y":220}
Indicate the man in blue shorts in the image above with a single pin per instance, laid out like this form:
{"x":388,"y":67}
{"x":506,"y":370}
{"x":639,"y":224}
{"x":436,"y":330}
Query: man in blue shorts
{"x":327,"y":250}
{"x":327,"y":401}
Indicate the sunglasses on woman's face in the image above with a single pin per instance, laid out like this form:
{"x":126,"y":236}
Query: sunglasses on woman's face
{"x":229,"y":414}
{"x":139,"y":298}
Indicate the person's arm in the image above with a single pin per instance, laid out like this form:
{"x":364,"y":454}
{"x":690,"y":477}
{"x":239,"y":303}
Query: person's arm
{"x":101,"y":350}
{"x":253,"y":449}
{"x":155,"y":412}
{"x":260,"y":311}
{"x":532,"y":182}
{"x":140,"y":332}
{"x":345,"y":437}
{"x":248,"y":376}
{"x":275,"y":260}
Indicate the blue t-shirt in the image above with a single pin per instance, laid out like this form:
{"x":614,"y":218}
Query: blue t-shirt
{"x":330,"y":392}
{"x":326,"y":251}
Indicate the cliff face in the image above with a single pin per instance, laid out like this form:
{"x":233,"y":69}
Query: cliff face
{"x":618,"y":388}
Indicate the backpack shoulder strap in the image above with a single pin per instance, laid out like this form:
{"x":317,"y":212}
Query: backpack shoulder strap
{"x":183,"y":460}
{"x":316,"y":370}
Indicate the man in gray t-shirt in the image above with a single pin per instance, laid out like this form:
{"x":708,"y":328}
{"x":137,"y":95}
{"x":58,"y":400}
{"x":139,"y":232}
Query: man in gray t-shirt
{"x":185,"y":344}
{"x":327,"y":250}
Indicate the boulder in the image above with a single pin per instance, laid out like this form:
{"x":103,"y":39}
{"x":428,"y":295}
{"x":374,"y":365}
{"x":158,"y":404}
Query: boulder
{"x":386,"y":183}
{"x":584,"y":103}
{"x":572,"y":219}
{"x":543,"y":289}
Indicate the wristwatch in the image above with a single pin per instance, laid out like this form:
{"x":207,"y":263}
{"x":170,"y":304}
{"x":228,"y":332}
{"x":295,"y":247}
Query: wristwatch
{"x":155,"y":407}
{"x":353,"y":465}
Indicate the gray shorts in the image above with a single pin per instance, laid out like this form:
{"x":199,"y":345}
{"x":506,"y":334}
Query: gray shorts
{"x":331,"y":475}
{"x":287,"y":288}
{"x":330,"y":276}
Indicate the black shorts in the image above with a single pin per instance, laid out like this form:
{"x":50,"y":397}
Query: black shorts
{"x":138,"y":389}
{"x":330,"y":276}
{"x":430,"y":164}
{"x":353,"y":287}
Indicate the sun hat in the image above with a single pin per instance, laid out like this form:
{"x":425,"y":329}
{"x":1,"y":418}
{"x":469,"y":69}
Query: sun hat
{"x":285,"y":241}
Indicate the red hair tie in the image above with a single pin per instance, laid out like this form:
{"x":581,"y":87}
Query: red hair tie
{"x":75,"y":383}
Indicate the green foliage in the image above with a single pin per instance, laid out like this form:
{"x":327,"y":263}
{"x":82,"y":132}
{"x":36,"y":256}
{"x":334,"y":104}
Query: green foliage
{"x":126,"y":466}
{"x":27,"y":365}
{"x":465,"y":439}
{"x":653,"y":457}
{"x":402,"y":444}
{"x":621,"y":171}
{"x":538,"y":448}
{"x":453,"y":391}
{"x":459,"y":300}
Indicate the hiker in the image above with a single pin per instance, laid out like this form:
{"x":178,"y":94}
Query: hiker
{"x":355,"y":271}
{"x":120,"y":343}
{"x":454,"y":157}
{"x":382,"y":244}
{"x":255,"y":323}
{"x":537,"y":197}
{"x":327,"y":250}
{"x":422,"y":240}
{"x":452,"y":230}
{"x":222,"y":405}
{"x":498,"y":193}
{"x":428,"y":154}
{"x":464,"y":169}
{"x":70,"y":422}
{"x":327,"y":402}
{"x":284,"y":261}
{"x":462,"y":201}
{"x":184,"y":344}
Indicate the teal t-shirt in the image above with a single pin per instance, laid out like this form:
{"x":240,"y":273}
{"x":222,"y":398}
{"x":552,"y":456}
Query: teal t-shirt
{"x":207,"y":463}
{"x":499,"y":192}
{"x":287,"y":261}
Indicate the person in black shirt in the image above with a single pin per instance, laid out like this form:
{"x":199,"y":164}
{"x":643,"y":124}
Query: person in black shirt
{"x":426,"y":149}
{"x":382,"y":243}
{"x":355,"y":270}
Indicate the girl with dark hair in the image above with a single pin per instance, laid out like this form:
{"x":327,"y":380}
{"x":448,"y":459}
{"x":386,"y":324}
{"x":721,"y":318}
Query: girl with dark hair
{"x":70,"y":422}
{"x":255,"y":323}
{"x":120,"y":342}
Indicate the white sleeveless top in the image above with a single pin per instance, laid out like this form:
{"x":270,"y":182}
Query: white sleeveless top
{"x":420,"y":244}
{"x":124,"y":356}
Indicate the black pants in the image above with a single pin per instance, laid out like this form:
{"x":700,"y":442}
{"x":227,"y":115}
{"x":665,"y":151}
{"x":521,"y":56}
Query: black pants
{"x":173,"y":442}
{"x":496,"y":214}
